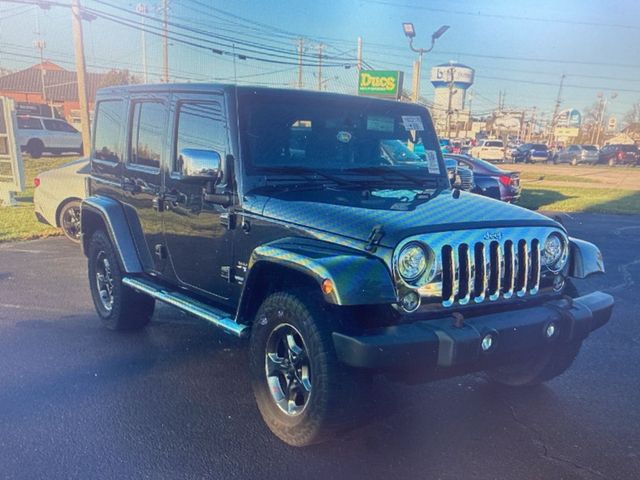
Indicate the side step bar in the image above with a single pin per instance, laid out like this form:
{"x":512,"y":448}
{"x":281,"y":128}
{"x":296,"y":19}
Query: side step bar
{"x":201,"y":310}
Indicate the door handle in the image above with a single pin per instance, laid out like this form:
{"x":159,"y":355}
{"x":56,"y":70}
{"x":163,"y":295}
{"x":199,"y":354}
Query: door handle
{"x":131,"y":187}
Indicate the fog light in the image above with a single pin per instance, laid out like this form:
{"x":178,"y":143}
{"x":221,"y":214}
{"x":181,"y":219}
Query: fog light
{"x":487,"y":342}
{"x":410,"y":302}
{"x":550,"y":330}
{"x":558,"y":283}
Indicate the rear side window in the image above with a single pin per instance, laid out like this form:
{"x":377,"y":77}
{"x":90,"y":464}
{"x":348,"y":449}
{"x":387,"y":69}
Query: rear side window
{"x":27,"y":123}
{"x":107,"y":136}
{"x":147,"y":134}
{"x":628,"y":148}
{"x":200,"y":127}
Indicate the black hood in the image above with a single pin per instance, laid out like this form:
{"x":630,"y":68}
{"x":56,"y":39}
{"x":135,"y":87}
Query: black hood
{"x":401,"y":213}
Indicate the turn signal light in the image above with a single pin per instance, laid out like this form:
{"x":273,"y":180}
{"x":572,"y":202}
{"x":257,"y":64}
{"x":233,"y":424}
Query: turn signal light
{"x":327,"y":286}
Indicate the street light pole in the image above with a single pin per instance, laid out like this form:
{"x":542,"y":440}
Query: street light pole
{"x":410,"y":32}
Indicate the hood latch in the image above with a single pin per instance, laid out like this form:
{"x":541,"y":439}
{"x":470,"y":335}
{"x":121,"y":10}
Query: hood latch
{"x":377,"y":232}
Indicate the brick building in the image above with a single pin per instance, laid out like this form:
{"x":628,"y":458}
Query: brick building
{"x":60,"y":87}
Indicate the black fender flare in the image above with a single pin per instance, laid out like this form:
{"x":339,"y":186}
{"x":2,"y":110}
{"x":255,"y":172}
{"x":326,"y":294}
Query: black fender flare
{"x":585,"y":259}
{"x":358,"y":278}
{"x":111,"y":214}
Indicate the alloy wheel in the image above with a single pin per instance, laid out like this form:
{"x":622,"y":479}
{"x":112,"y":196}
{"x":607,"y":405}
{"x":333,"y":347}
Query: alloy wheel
{"x":104,"y":281}
{"x":288,"y":370}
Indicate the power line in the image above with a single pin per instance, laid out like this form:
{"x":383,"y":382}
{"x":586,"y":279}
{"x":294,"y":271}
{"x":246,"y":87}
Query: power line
{"x":503,"y":16}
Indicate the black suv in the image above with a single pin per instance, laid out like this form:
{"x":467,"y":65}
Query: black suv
{"x":282,"y":216}
{"x":619,"y":155}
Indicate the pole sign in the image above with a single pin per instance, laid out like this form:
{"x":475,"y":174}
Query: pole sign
{"x":380,"y":83}
{"x":11,"y":167}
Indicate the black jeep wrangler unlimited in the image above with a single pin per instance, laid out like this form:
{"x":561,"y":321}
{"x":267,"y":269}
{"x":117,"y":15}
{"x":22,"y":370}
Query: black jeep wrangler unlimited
{"x":305,"y":222}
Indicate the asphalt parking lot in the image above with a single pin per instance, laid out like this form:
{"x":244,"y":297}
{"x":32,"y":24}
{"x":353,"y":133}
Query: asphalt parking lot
{"x":173,"y":401}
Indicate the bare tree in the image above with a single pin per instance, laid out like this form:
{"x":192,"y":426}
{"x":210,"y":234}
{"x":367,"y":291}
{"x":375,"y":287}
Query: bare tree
{"x":633,"y":115}
{"x":118,"y":77}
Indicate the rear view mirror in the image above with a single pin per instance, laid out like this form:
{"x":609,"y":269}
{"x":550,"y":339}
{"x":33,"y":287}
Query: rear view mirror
{"x":199,"y":164}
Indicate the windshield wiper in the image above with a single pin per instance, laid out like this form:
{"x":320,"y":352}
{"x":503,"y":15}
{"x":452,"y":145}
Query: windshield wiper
{"x":307,"y":173}
{"x":384,"y":170}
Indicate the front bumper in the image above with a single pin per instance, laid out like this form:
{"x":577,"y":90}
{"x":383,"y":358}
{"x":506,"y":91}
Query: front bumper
{"x":432,"y":344}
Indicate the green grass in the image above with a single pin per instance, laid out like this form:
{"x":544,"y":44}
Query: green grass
{"x":19,"y":222}
{"x":577,"y":199}
{"x":531,"y":177}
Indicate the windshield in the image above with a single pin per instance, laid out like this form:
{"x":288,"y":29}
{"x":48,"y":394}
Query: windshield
{"x":538,"y":146}
{"x":590,"y":148}
{"x":296,"y":133}
{"x":493,"y":144}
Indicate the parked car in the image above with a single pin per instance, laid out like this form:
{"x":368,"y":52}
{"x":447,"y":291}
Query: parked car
{"x":576,"y":154}
{"x":58,"y":194}
{"x":38,"y":135}
{"x":618,"y":155}
{"x":460,"y":176}
{"x":531,"y":153}
{"x":445,"y":145}
{"x":492,"y":150}
{"x":491,"y":180}
{"x":335,"y":264}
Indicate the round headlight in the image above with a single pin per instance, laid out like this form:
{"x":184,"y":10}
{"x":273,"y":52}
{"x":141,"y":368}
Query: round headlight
{"x":412,"y":262}
{"x":554,"y":252}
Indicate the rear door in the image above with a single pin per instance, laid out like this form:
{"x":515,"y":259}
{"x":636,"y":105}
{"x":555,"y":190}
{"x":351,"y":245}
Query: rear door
{"x":141,"y":178}
{"x":199,"y":243}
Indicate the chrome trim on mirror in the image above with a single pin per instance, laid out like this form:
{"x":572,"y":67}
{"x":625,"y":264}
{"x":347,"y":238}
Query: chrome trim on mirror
{"x":195,"y":163}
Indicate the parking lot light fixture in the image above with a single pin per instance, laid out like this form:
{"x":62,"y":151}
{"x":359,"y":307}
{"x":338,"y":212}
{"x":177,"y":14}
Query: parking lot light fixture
{"x":410,"y":32}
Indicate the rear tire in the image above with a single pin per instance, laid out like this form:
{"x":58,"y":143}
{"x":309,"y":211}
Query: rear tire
{"x":305,"y":395}
{"x":35,"y":147}
{"x":69,"y":220}
{"x":118,"y":306}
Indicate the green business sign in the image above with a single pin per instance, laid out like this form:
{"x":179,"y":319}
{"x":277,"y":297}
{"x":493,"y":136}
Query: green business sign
{"x":380,"y":83}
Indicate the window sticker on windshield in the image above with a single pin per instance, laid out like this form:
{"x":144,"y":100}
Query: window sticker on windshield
{"x":432,"y":161}
{"x":380,"y":124}
{"x":412,"y":122}
{"x":343,"y":137}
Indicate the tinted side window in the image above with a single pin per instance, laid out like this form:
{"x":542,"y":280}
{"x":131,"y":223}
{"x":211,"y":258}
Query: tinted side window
{"x":107,"y":139}
{"x":65,"y":127}
{"x":51,"y":125}
{"x":200,"y":126}
{"x":29,"y":123}
{"x":147,"y":134}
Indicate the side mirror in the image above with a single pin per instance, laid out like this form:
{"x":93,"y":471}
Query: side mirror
{"x":199,"y":164}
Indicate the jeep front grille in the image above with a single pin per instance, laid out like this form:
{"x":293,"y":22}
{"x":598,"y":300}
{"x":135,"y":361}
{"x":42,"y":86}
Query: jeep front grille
{"x":486,"y":270}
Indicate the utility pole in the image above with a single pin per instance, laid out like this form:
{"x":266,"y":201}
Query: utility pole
{"x":359,"y":62}
{"x":452,"y":72}
{"x":165,"y":41}
{"x":142,"y":9}
{"x":76,"y":24}
{"x":320,"y":48}
{"x":415,"y":81}
{"x":40,"y":44}
{"x":300,"y":49}
{"x":556,"y":111}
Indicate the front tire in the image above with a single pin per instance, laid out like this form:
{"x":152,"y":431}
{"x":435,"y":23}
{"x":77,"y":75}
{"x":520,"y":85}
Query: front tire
{"x":35,"y":147}
{"x":305,"y":395}
{"x":118,"y":306}
{"x":542,"y":367}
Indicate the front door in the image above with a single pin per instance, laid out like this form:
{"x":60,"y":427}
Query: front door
{"x":199,"y":244}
